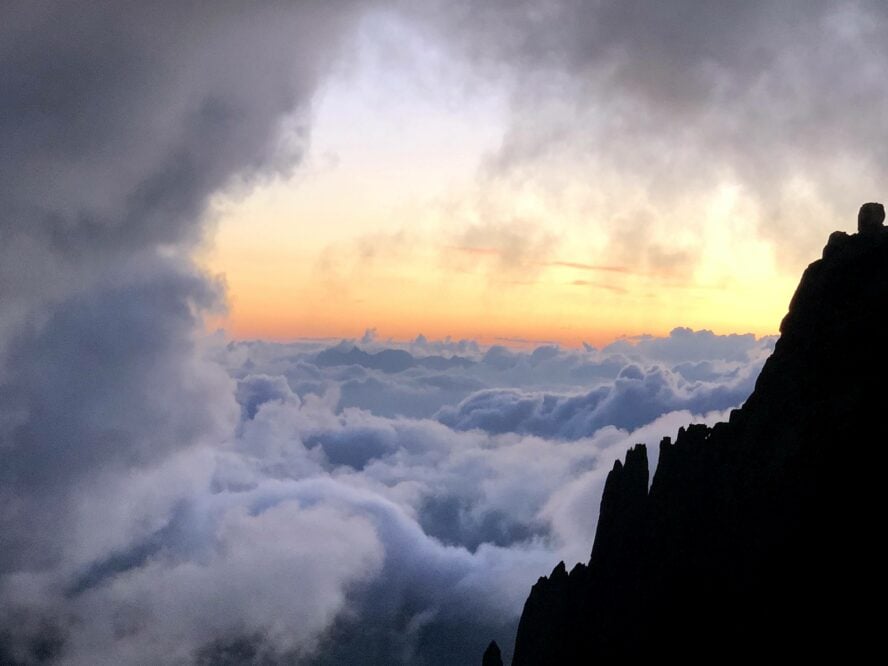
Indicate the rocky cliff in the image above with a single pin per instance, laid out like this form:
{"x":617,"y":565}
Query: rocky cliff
{"x":758,"y":537}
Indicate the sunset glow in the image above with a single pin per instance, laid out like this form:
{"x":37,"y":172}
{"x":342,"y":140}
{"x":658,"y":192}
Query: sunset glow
{"x":403,"y":218}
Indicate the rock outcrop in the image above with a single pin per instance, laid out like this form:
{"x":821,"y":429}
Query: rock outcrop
{"x":758,"y":538}
{"x":870,"y":218}
{"x":492,"y":655}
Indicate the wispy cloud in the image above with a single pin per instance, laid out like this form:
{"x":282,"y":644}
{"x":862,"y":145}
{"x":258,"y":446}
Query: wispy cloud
{"x":590,"y":267}
{"x":599,"y":285}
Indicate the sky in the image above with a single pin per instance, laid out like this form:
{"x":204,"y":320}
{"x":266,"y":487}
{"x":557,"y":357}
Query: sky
{"x":321,"y":324}
{"x":563,"y":195}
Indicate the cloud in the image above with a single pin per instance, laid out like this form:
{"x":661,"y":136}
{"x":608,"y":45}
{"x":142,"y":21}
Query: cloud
{"x":664,"y":104}
{"x":457,"y":514}
{"x":684,"y":344}
{"x":419,"y":395}
{"x":636,"y":397}
{"x":117,"y":126}
{"x":515,"y":245}
{"x":391,"y":381}
{"x":168,"y":497}
{"x":318,"y":531}
{"x":507,"y":497}
{"x":111,"y":380}
{"x":286,"y":589}
{"x":256,"y":390}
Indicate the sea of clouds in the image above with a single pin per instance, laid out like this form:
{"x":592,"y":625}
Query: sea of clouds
{"x":357,"y":503}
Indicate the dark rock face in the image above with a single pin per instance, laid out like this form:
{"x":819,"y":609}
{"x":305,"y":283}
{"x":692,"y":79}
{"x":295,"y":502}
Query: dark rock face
{"x":758,"y":537}
{"x":492,"y":656}
{"x":870,"y":218}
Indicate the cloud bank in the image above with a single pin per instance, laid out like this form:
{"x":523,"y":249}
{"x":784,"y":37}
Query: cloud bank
{"x":312,"y":522}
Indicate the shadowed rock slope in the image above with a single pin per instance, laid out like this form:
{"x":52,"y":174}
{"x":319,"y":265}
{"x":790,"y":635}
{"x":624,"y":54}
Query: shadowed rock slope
{"x":760,"y":537}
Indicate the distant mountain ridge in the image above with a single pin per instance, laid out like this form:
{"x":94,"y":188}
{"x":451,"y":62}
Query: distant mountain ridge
{"x":389,"y":361}
{"x":759,"y":537}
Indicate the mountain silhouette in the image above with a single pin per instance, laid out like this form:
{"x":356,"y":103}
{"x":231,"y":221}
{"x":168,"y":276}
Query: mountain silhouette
{"x":757,"y":538}
{"x":389,"y":361}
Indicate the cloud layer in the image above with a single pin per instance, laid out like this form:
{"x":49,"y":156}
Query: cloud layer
{"x":324,"y":525}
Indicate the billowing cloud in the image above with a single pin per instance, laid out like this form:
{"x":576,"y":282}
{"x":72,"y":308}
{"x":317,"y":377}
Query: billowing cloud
{"x":683,"y":344}
{"x":118,"y":123}
{"x":462,"y":514}
{"x":636,"y":397}
{"x":117,"y":126}
{"x":109,"y":381}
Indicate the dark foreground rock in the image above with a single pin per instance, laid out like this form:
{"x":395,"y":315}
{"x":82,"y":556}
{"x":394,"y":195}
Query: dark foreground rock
{"x":870,"y":218}
{"x":492,"y":655}
{"x":760,"y":537}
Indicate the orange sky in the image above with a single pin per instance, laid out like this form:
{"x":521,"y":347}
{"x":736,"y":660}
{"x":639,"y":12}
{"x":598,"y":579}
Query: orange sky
{"x":281,"y":289}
